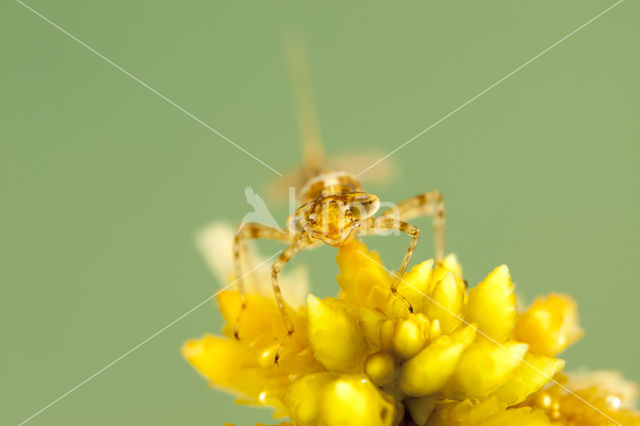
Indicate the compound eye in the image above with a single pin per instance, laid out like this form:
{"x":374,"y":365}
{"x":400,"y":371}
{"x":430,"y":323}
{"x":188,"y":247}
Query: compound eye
{"x":364,"y":206}
{"x":355,"y":212}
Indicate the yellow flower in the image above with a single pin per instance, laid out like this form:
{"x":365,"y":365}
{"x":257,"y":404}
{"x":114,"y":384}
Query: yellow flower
{"x":245,"y":367}
{"x":483,"y":368}
{"x":338,"y":351}
{"x":329,"y":398}
{"x":549,"y":325}
{"x":430,"y":370}
{"x":610,"y":398}
{"x":492,"y":305}
{"x":460,"y":358}
{"x":486,"y":413}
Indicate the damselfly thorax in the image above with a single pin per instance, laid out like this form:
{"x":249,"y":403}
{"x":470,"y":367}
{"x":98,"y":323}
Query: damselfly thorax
{"x":333,"y":207}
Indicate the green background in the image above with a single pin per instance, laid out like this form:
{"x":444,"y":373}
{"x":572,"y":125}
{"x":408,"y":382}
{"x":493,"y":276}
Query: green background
{"x":103,"y":184}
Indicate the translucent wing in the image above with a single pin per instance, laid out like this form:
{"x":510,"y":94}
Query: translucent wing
{"x":314,"y":159}
{"x":302,"y":91}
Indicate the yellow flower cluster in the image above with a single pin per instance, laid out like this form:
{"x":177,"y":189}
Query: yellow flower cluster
{"x":460,"y":358}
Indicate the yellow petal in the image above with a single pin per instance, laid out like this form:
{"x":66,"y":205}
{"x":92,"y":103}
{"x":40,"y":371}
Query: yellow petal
{"x":465,"y":335}
{"x":549,"y":325}
{"x":327,"y":399}
{"x":227,"y":364}
{"x":335,"y":337}
{"x":483,"y":368}
{"x":380,"y":367}
{"x":431,"y":369}
{"x":421,"y":408}
{"x":303,"y":396}
{"x":534,"y":372}
{"x":363,"y":281}
{"x":262,"y":329}
{"x":445,"y":303}
{"x":486,"y":413}
{"x":386,"y":334}
{"x":355,"y":401}
{"x":415,"y":284}
{"x":201,"y":354}
{"x":492,"y":305}
{"x":449,"y":264}
{"x":371,"y":321}
{"x":524,"y":416}
{"x":410,"y":335}
{"x":590,"y":399}
{"x":435,"y":330}
{"x":260,"y":316}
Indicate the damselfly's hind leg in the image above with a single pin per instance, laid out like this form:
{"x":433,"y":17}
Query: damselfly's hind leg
{"x":390,"y":223}
{"x":427,"y":204}
{"x":285,"y":257}
{"x":249,"y":231}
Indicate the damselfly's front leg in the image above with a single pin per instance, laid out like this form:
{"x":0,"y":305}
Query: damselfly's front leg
{"x":426,"y":204}
{"x":389,"y":223}
{"x":301,"y":242}
{"x":249,"y":231}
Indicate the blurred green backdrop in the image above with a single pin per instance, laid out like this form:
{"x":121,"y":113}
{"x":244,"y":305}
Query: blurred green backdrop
{"x":103,"y":184}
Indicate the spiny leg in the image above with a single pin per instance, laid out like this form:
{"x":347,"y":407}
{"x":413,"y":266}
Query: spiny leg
{"x":426,"y":204}
{"x":389,"y":223}
{"x":248,"y":231}
{"x":285,"y":257}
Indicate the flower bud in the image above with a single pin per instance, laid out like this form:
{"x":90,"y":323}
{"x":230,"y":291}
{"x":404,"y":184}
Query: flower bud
{"x":421,"y":408}
{"x":302,"y":397}
{"x":445,"y":303}
{"x":371,"y":321}
{"x":363,"y":281}
{"x":380,"y":368}
{"x":431,"y":369}
{"x":386,"y":334}
{"x":549,"y":325}
{"x":492,"y":305}
{"x":435,"y":330}
{"x":409,"y":335}
{"x":484,"y":367}
{"x":414,"y":285}
{"x":334,"y":336}
{"x":449,"y":264}
{"x":326,"y":399}
{"x":531,"y":375}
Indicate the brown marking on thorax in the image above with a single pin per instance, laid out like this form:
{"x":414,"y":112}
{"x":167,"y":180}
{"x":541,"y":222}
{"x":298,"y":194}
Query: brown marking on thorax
{"x":328,"y":183}
{"x":332,"y":205}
